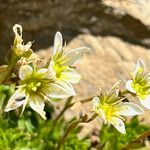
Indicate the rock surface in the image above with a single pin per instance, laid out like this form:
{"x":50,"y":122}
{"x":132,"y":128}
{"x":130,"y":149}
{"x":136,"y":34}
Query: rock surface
{"x":128,"y":20}
{"x":137,"y":8}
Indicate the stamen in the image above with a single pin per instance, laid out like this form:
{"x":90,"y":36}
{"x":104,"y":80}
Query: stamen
{"x":34,"y":89}
{"x":39,"y":84}
{"x":120,"y":100}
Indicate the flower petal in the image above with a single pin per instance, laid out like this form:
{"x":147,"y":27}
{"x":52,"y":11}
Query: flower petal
{"x":55,"y":91}
{"x":24,"y":105}
{"x":16,"y":100}
{"x":37,"y":104}
{"x":24,"y":71}
{"x":102,"y":114}
{"x":129,"y":86}
{"x":24,"y":48}
{"x":17,"y":27}
{"x":45,"y":73}
{"x":67,"y":86}
{"x":95,"y":102}
{"x":74,"y":56}
{"x":129,"y":109}
{"x":97,"y":109}
{"x":145,"y":102}
{"x":58,"y":41}
{"x":52,"y":73}
{"x":42,"y":71}
{"x":139,"y":67}
{"x":71,"y":76}
{"x":118,"y":124}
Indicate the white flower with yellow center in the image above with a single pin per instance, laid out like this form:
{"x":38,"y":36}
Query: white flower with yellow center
{"x":34,"y":88}
{"x":140,"y":83}
{"x":60,"y":65}
{"x":110,"y":108}
{"x":19,"y":48}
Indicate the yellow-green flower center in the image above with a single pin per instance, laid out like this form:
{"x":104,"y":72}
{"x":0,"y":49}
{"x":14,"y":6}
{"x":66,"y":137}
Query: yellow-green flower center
{"x":33,"y":83}
{"x":142,"y":89}
{"x":59,"y":69}
{"x":33,"y":86}
{"x":109,"y":110}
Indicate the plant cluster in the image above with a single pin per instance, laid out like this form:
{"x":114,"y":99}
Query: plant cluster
{"x":29,"y":93}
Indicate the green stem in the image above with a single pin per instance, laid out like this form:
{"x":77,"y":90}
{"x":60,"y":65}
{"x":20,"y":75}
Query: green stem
{"x":62,"y":112}
{"x":70,"y":127}
{"x":67,"y":105}
{"x":83,"y":119}
{"x":87,"y":99}
{"x":139,"y":141}
{"x":124,"y":92}
{"x":90,"y":98}
{"x":11,"y":64}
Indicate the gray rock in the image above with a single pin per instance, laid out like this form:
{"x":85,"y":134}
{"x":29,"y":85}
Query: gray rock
{"x":42,"y":18}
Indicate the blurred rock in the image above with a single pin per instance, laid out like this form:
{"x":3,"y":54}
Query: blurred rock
{"x":110,"y":60}
{"x":139,"y":9}
{"x":41,"y":19}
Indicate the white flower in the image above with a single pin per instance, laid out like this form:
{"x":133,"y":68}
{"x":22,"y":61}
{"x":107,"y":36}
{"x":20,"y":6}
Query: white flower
{"x":110,"y":108}
{"x":61,"y":63}
{"x":140,"y":84}
{"x":19,"y":48}
{"x":34,"y":88}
